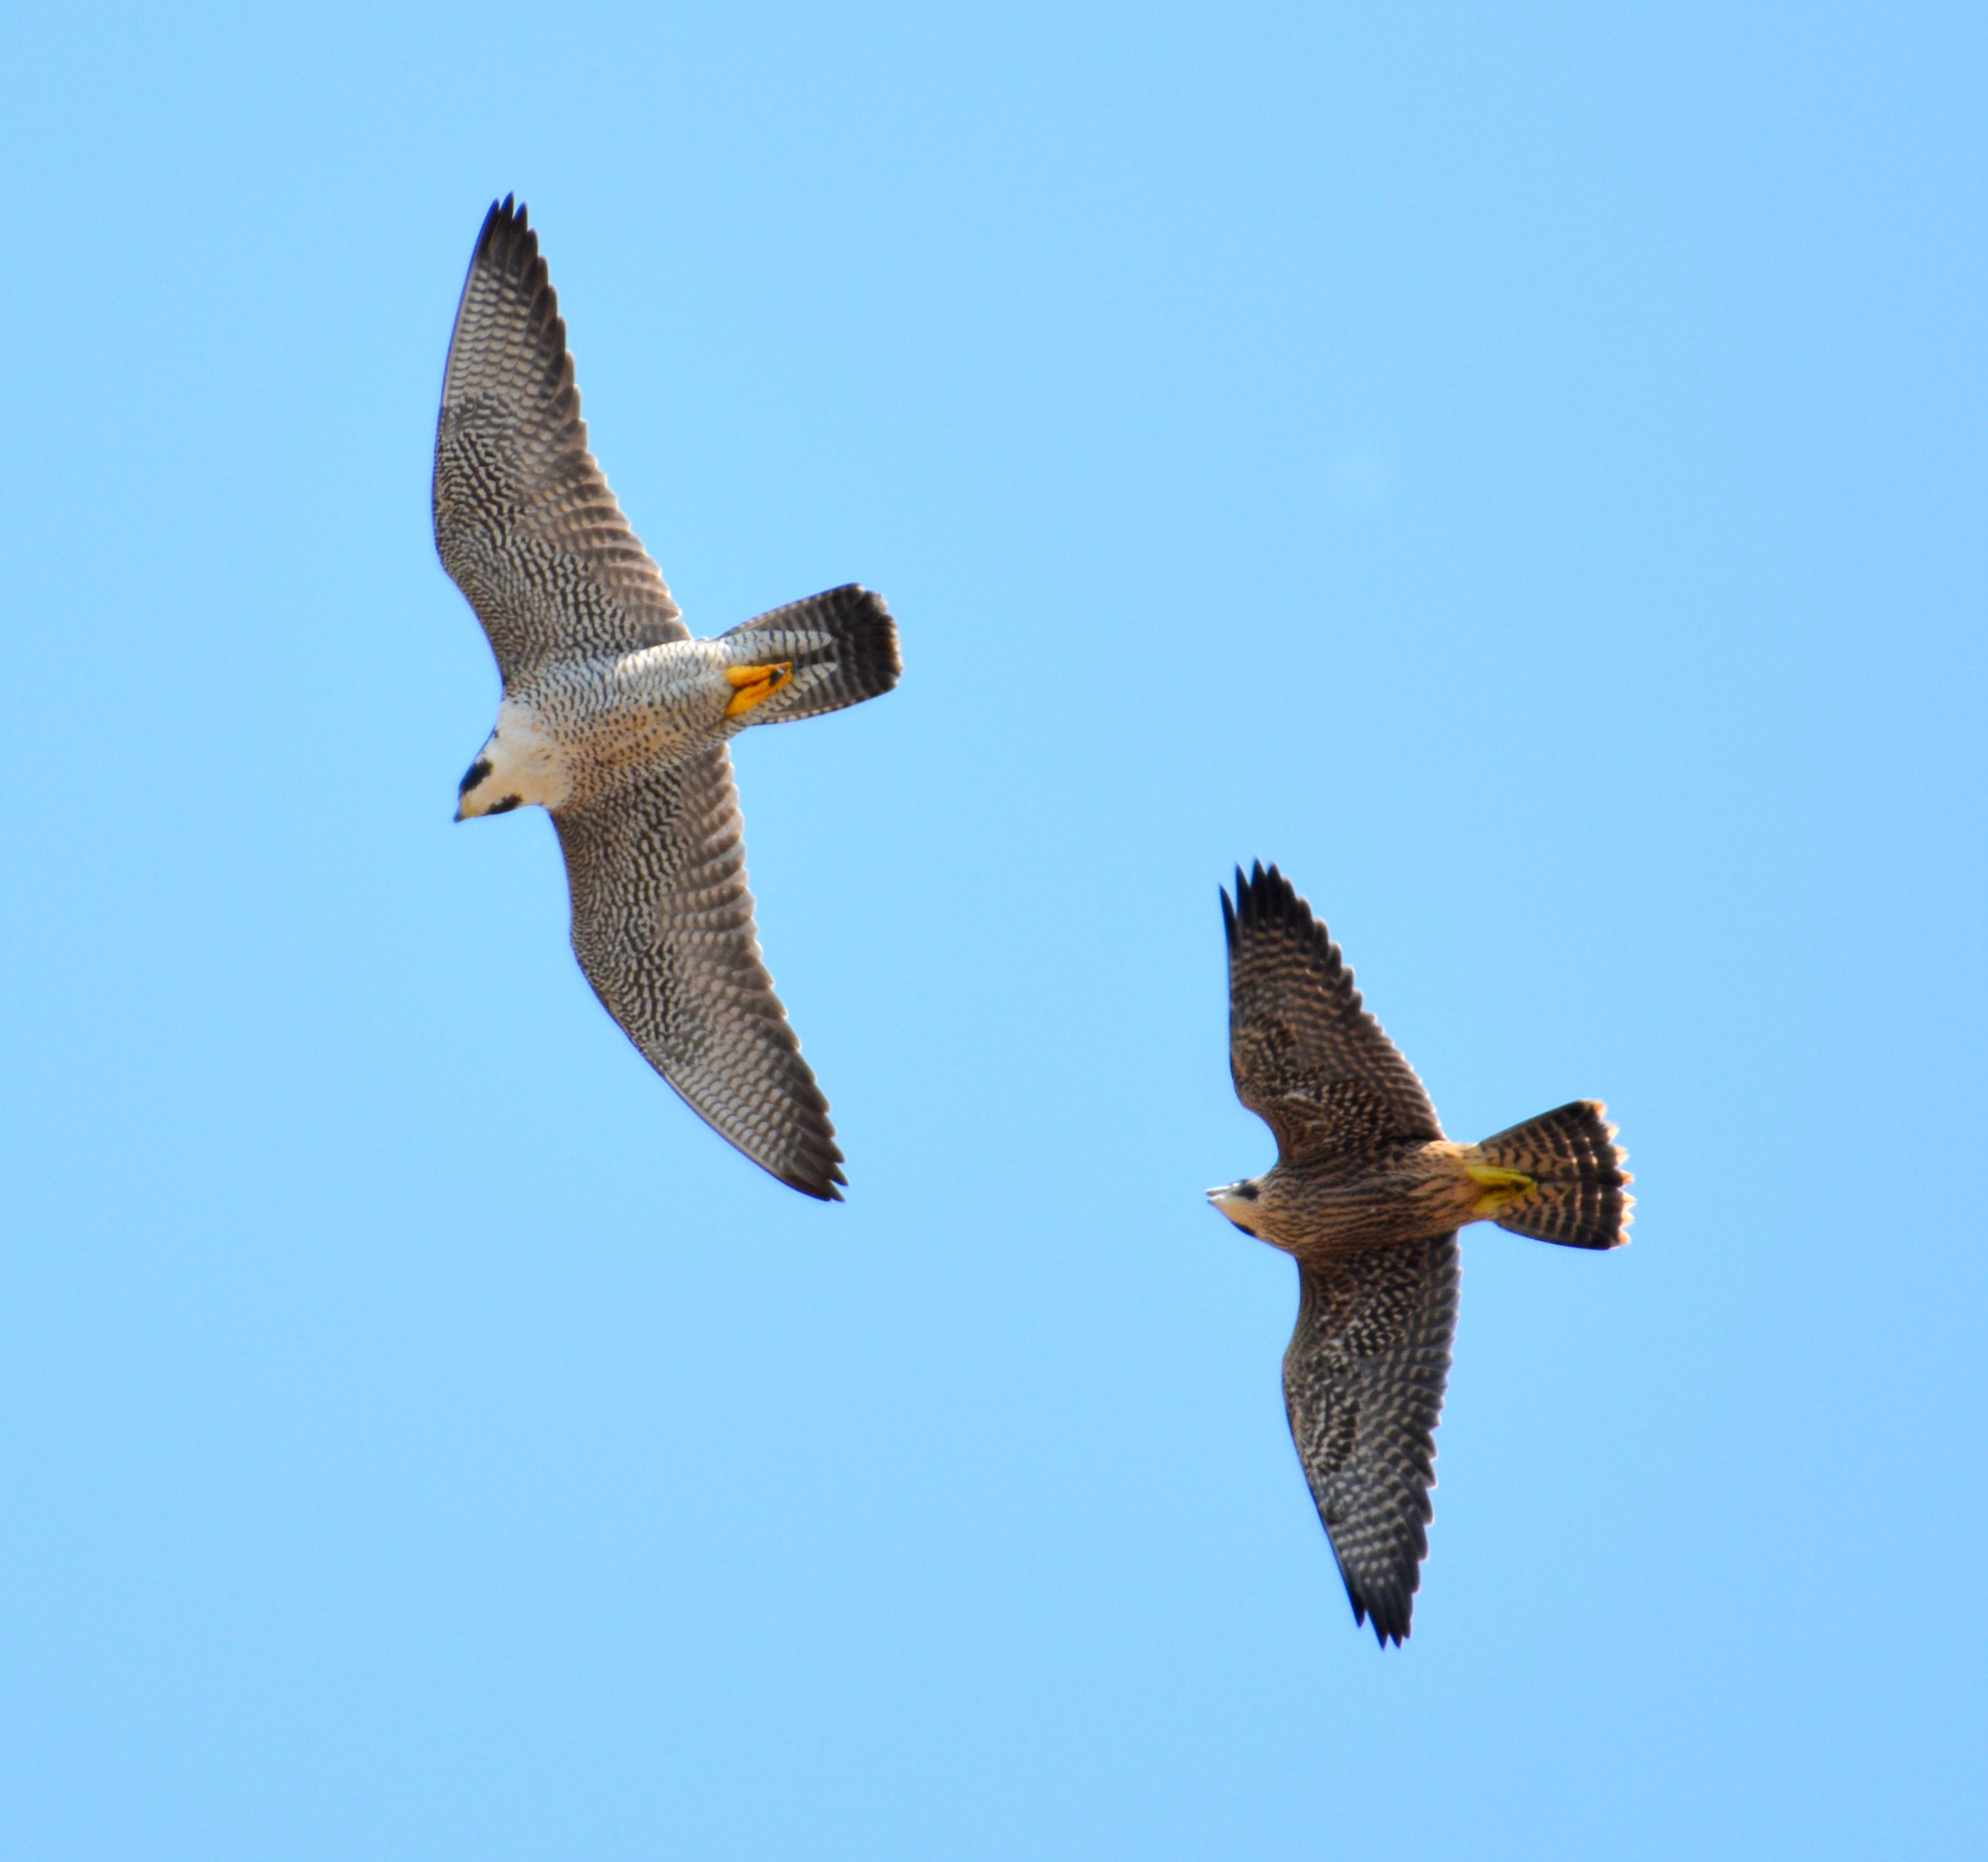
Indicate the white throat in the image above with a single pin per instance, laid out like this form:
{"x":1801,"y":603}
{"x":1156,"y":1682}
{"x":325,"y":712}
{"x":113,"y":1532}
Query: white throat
{"x":520,"y":766}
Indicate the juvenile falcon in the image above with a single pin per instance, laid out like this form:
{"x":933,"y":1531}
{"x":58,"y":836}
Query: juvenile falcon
{"x":616,"y":720}
{"x":1369,"y":1194}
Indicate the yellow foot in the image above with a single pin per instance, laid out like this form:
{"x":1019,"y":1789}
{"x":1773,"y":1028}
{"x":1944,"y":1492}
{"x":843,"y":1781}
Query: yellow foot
{"x":1503,"y":1187}
{"x":754,"y":683}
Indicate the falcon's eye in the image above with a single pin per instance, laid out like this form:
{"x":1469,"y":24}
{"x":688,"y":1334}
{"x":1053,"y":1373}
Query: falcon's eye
{"x":1247,"y":1192}
{"x":478,"y":771}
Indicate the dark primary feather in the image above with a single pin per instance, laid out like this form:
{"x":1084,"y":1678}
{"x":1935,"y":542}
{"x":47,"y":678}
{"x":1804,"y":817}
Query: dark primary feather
{"x":662,"y":926}
{"x":524,"y":521}
{"x":1307,"y":1057}
{"x":1364,"y":1378}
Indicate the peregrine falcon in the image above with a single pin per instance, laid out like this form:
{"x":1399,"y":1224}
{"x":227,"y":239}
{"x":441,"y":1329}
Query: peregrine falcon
{"x":1369,"y":1194}
{"x":614,"y":720}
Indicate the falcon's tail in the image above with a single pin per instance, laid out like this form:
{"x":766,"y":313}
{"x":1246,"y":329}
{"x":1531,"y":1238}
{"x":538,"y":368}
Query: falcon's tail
{"x":1559,"y":1177}
{"x":842,"y":646}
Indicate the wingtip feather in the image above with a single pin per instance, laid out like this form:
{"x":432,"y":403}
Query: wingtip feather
{"x":1388,"y":1618}
{"x":822,"y":1191}
{"x":507,"y":240}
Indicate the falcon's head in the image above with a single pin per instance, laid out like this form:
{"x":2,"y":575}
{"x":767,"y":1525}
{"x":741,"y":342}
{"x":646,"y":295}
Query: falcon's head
{"x":518,"y":765}
{"x":1240,"y":1202}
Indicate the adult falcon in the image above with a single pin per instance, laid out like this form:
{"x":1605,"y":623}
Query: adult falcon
{"x":615,"y":720}
{"x":1369,"y":1194}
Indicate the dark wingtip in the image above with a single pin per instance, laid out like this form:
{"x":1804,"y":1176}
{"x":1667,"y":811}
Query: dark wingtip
{"x":1388,"y":1625}
{"x":820,"y":1181}
{"x":507,"y":238}
{"x":1263,"y":897}
{"x":824,"y":1192}
{"x":1266,"y":898}
{"x":1388,"y":1614}
{"x":1246,"y":898}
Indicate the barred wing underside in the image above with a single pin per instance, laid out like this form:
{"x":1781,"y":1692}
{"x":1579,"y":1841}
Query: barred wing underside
{"x":662,"y":926}
{"x":524,"y":521}
{"x":1364,"y":1378}
{"x":1306,"y":1056}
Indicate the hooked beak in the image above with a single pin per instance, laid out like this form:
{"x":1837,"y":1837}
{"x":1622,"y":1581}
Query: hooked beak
{"x":1237,"y":1206}
{"x":470,"y":777}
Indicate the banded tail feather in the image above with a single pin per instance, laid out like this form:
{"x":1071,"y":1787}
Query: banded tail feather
{"x":1578,"y":1197}
{"x":842,"y":645}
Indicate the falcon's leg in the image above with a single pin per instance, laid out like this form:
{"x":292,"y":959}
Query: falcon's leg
{"x":1502,"y":1189}
{"x":754,"y":683}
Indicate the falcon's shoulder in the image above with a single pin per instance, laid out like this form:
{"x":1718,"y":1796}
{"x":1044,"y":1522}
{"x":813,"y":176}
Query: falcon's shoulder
{"x":524,"y":521}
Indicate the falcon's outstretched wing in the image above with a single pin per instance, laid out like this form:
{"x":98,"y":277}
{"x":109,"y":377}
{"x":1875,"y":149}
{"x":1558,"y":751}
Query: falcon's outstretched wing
{"x":1363,"y":1386}
{"x":1307,"y":1059}
{"x":662,"y":925}
{"x":523,"y":519}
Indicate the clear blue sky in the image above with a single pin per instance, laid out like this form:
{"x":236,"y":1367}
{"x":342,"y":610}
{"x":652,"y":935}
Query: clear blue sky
{"x":1522,"y":469}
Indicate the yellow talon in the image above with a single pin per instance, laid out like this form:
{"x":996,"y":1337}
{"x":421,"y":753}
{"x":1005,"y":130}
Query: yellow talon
{"x":754,"y":683}
{"x":1504,"y":1188}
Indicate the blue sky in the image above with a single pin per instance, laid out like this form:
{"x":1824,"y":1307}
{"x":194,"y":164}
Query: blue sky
{"x":1523,"y":471}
